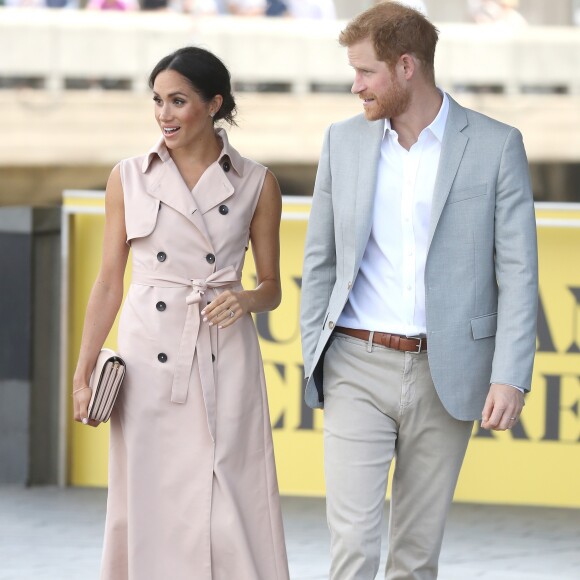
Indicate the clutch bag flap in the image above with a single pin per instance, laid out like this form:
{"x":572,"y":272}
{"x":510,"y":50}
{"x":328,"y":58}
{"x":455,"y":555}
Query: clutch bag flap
{"x":105,"y":383}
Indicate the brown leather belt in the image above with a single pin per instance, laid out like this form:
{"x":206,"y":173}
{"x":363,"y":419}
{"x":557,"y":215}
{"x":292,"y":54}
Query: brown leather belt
{"x":394,"y":341}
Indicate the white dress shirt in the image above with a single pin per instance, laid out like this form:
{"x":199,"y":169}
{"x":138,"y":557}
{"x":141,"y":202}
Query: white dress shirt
{"x":389,"y":291}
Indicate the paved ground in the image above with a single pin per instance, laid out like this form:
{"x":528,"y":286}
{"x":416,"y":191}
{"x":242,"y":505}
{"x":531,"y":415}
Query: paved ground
{"x":56,"y":534}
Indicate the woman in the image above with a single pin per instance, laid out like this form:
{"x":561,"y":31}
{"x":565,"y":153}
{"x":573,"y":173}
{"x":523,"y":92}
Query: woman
{"x":192,"y":482}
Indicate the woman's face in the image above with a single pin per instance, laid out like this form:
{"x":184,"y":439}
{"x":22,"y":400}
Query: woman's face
{"x":183,"y":116}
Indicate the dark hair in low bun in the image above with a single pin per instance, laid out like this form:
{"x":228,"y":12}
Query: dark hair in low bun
{"x":206,"y":73}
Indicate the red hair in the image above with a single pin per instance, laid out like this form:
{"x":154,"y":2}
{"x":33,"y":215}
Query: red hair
{"x":395,"y":30}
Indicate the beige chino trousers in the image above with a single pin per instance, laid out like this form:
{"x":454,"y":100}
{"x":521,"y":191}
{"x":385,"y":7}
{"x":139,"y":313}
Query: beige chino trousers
{"x":380,"y":404}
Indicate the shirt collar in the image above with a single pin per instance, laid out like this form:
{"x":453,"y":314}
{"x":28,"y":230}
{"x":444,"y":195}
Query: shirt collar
{"x":437,"y":126}
{"x":228,"y":152}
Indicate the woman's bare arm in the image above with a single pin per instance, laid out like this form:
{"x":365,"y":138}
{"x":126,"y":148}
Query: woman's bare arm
{"x":106,"y":295}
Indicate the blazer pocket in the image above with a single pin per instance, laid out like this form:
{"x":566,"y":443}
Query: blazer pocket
{"x":484,"y":326}
{"x":466,"y":193}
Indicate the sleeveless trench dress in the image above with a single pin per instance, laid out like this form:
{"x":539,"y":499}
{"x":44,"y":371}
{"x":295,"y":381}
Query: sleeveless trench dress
{"x":193,"y":493}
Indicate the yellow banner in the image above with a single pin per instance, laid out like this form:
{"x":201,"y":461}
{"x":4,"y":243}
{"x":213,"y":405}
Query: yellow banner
{"x":537,"y":463}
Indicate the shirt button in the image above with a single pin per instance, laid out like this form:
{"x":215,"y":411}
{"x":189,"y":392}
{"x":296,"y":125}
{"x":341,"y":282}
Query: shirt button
{"x":226,"y":166}
{"x":213,"y":358}
{"x":331,"y":325}
{"x":224,"y":209}
{"x":161,"y":306}
{"x":162,"y":357}
{"x":210,"y":258}
{"x":162,"y":256}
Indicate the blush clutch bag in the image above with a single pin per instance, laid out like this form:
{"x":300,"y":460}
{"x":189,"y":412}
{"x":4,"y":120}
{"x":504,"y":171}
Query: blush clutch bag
{"x":105,"y":383}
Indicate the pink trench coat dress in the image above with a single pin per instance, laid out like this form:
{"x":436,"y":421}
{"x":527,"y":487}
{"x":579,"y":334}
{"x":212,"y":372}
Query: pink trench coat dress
{"x":192,"y":482}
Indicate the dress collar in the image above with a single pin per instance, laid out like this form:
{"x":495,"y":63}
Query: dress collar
{"x":228,"y":152}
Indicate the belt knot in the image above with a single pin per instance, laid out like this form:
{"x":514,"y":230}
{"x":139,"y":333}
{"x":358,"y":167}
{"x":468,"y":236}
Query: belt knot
{"x":199,"y":288}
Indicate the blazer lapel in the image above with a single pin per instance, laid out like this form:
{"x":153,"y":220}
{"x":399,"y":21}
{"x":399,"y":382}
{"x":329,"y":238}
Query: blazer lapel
{"x":369,"y":150}
{"x":452,"y":149}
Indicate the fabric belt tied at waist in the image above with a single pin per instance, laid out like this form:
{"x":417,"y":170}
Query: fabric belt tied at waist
{"x":395,"y":341}
{"x":195,"y":337}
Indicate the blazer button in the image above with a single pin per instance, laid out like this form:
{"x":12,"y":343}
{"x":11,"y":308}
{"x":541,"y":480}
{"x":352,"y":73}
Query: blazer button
{"x":224,"y":209}
{"x":162,"y":256}
{"x":210,"y":258}
{"x":161,"y":306}
{"x":330,"y":324}
{"x":349,"y":286}
{"x":162,"y":357}
{"x":226,"y":166}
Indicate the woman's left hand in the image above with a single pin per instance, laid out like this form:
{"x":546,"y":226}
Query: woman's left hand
{"x":226,"y":309}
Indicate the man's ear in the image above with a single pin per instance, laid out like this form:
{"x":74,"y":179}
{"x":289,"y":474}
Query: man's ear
{"x":407,"y":65}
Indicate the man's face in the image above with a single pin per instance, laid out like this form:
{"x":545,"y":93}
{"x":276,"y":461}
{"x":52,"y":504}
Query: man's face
{"x":381,"y":87}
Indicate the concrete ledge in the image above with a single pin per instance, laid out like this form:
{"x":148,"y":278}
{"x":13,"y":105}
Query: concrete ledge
{"x":56,"y":45}
{"x":100,"y":128}
{"x":71,"y":140}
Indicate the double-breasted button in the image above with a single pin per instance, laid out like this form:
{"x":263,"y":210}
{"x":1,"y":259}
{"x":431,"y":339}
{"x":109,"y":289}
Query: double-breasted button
{"x":162,"y":256}
{"x":224,"y":209}
{"x":161,"y":306}
{"x":210,"y":258}
{"x":226,"y":166}
{"x":162,"y":357}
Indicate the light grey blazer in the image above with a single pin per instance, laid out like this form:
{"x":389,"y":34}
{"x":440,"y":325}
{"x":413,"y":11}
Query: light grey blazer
{"x":481,"y":274}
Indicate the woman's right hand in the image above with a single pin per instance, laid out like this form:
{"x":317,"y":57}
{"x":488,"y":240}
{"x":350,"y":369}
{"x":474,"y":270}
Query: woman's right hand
{"x":81,"y":400}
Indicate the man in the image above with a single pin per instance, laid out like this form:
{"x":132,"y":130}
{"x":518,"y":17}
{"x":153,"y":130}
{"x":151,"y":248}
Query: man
{"x":419,"y":295}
